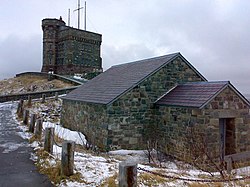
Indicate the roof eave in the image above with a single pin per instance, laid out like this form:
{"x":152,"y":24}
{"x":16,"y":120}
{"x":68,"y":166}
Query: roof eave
{"x":78,"y":100}
{"x":181,"y":106}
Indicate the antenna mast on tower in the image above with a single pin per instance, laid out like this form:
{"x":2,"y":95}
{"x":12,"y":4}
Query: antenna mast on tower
{"x":69,"y":18}
{"x":85,"y":13}
{"x":78,"y":9}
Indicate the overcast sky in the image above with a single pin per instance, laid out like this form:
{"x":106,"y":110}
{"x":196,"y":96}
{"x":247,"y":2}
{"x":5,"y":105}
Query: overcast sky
{"x":213,"y":35}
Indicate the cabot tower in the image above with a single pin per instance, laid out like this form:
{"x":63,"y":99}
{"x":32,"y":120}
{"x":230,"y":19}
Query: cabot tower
{"x":67,"y":50}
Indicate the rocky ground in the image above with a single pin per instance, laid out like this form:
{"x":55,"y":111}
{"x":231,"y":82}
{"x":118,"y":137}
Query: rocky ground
{"x":29,"y":83}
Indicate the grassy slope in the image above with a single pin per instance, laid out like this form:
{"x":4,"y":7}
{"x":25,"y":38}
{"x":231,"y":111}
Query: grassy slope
{"x":26,"y":84}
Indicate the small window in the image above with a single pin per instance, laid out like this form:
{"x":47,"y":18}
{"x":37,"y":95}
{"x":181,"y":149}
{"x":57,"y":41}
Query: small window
{"x":50,"y":58}
{"x":175,"y":118}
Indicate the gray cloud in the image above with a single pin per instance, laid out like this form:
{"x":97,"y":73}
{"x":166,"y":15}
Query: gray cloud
{"x":123,"y":54}
{"x":19,"y":55}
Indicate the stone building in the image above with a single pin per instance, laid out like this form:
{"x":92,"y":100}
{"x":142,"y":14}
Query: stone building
{"x":164,"y":99}
{"x":203,"y":117}
{"x":68,"y":50}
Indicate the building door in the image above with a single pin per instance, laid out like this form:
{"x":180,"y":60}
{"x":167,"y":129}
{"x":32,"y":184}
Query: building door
{"x":227,"y":136}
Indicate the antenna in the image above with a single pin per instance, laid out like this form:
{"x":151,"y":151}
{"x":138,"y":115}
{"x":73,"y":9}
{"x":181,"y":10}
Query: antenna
{"x":85,"y":13}
{"x":69,"y":18}
{"x":78,"y":9}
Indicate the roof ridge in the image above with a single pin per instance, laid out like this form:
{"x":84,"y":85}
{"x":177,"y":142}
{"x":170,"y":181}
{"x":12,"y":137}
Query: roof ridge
{"x":146,"y":59}
{"x":205,"y":82}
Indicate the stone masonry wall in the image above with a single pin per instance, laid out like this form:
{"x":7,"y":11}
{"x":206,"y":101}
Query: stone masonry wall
{"x":131,"y":117}
{"x":229,"y":105}
{"x":182,"y":129}
{"x":78,"y":51}
{"x":90,"y":119}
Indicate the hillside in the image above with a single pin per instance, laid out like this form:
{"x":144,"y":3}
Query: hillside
{"x":28,"y":83}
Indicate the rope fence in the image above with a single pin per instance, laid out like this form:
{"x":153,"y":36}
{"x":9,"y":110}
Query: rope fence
{"x":194,"y":180}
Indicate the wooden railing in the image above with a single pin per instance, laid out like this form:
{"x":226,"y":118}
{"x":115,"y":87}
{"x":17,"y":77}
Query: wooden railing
{"x":35,"y":95}
{"x":229,"y":159}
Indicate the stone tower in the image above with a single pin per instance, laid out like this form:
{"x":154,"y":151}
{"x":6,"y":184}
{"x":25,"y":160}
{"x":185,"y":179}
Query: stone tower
{"x":68,"y":50}
{"x":50,"y":40}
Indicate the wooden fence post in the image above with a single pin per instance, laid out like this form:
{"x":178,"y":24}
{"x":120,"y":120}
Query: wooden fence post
{"x":20,"y":108}
{"x":26,"y":116}
{"x":32,"y":123}
{"x":127,"y":174}
{"x":29,"y":101}
{"x":56,"y":96}
{"x":43,"y":98}
{"x":39,"y":127}
{"x":50,"y":78}
{"x":49,"y":137}
{"x":67,"y":160}
{"x":229,"y":163}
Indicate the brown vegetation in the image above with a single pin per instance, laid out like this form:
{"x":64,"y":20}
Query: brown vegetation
{"x":28,"y":83}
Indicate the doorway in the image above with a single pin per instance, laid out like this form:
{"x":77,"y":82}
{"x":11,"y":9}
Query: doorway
{"x":227,"y":136}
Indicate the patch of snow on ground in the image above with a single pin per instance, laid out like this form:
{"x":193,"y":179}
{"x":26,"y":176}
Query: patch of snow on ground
{"x":78,"y":77}
{"x":94,"y":169}
{"x":127,"y":152}
{"x":132,"y":155}
{"x":8,"y":106}
{"x":66,"y":134}
{"x":10,"y":146}
{"x":35,"y":144}
{"x":24,"y":132}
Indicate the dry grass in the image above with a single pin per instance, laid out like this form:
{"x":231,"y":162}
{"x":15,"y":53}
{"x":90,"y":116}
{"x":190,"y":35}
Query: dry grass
{"x":111,"y":181}
{"x":151,"y":180}
{"x":58,"y":140}
{"x":205,"y":185}
{"x":32,"y":139}
{"x":44,"y":167}
{"x":27,"y":83}
{"x":54,"y":171}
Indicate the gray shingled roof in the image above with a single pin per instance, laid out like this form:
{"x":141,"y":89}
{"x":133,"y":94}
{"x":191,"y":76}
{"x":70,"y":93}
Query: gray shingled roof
{"x":118,"y":79}
{"x":195,"y":94}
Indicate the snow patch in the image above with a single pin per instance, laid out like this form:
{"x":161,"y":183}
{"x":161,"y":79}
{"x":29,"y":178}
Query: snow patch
{"x":66,"y":134}
{"x":23,"y":133}
{"x":11,"y":146}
